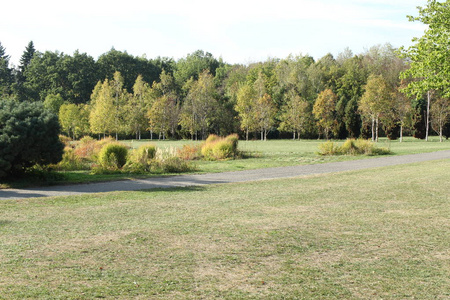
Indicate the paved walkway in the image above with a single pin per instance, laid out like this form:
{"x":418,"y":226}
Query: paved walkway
{"x":227,"y":177}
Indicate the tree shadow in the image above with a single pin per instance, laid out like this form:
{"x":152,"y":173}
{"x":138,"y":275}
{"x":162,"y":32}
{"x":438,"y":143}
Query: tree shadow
{"x":4,"y":222}
{"x":12,"y":195}
{"x":196,"y":188}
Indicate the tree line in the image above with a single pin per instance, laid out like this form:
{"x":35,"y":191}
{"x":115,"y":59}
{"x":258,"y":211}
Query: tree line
{"x":299,"y":97}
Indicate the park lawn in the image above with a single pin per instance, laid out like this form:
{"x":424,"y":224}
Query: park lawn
{"x":374,"y":234}
{"x":278,"y":153}
{"x":256,"y":155}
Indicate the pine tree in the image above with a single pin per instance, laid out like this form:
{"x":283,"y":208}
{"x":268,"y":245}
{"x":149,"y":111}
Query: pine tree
{"x":5,"y":73}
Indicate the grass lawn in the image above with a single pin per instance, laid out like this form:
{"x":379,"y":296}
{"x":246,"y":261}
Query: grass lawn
{"x":373,"y":234}
{"x":276,"y":153}
{"x":272,"y":153}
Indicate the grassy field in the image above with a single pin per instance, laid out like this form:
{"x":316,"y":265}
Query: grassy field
{"x":276,"y":153}
{"x":259,"y":154}
{"x":374,"y":234}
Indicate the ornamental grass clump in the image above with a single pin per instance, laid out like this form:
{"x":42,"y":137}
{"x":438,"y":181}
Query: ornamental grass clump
{"x":190,"y":152}
{"x":88,"y":148}
{"x":328,"y":148}
{"x":70,"y":161}
{"x":217,"y":148}
{"x":168,"y":161}
{"x":142,"y":159}
{"x":352,"y":147}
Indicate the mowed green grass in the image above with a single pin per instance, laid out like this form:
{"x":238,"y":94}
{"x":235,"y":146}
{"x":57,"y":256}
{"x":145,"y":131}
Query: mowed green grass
{"x":374,"y":234}
{"x":277,"y":153}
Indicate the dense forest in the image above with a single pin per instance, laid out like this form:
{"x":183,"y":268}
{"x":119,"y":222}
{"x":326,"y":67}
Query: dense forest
{"x":351,"y":95}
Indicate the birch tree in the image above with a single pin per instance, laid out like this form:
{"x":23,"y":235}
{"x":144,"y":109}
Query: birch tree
{"x":293,"y":117}
{"x":374,"y":102}
{"x":245,"y":107}
{"x":324,"y":111}
{"x":136,"y":107}
{"x":440,"y":113}
{"x":101,"y":119}
{"x":199,"y":106}
{"x":429,"y":56}
{"x":265,"y":114}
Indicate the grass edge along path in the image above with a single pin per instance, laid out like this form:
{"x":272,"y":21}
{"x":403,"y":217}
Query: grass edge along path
{"x":381,"y":233}
{"x":225,"y":177}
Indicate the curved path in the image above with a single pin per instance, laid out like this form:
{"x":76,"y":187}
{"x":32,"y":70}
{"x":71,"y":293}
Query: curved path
{"x":227,"y":177}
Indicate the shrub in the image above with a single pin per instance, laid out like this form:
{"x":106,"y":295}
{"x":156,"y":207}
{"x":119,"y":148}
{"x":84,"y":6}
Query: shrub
{"x":89,"y":148}
{"x":234,"y":139}
{"x":216,"y":148}
{"x":175,"y":164}
{"x":223,"y":149}
{"x":70,"y":161}
{"x":365,"y":147}
{"x":113,"y":156}
{"x":141,"y":159}
{"x":168,"y":161}
{"x":349,"y":147}
{"x":328,"y":148}
{"x":65,"y":140}
{"x":207,"y":151}
{"x":145,"y":153}
{"x":352,"y":147}
{"x":212,"y":138}
{"x":29,"y":135}
{"x":190,"y":152}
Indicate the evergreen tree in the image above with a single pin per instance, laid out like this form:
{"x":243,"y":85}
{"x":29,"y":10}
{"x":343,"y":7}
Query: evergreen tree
{"x":27,"y":56}
{"x":5,"y":73}
{"x":28,"y":136}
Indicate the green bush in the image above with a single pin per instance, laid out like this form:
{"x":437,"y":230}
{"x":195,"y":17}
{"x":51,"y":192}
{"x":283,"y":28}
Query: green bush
{"x":349,"y":147}
{"x":113,"y":156}
{"x":223,"y":149}
{"x":144,"y":153}
{"x":29,"y":135}
{"x":207,"y":151}
{"x":233,"y":139}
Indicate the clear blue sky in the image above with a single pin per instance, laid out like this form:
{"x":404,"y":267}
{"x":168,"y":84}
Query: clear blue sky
{"x":239,"y":31}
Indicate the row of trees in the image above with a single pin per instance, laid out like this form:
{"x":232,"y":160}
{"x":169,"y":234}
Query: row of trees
{"x":380,"y":91}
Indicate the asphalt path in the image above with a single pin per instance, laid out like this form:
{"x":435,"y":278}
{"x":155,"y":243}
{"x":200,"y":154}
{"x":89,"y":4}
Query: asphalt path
{"x":217,"y":178}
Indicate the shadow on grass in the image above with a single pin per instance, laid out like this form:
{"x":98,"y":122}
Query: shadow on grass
{"x":4,"y":222}
{"x":176,"y":189}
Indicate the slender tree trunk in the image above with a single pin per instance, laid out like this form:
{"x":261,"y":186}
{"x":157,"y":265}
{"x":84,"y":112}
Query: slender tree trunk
{"x":428,"y":115}
{"x":373,"y":129}
{"x":246,"y":135}
{"x":401,"y":133}
{"x":376,"y":131}
{"x":293,"y":135}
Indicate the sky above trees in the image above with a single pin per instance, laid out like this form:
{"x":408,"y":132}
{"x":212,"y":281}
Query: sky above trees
{"x":236,"y":30}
